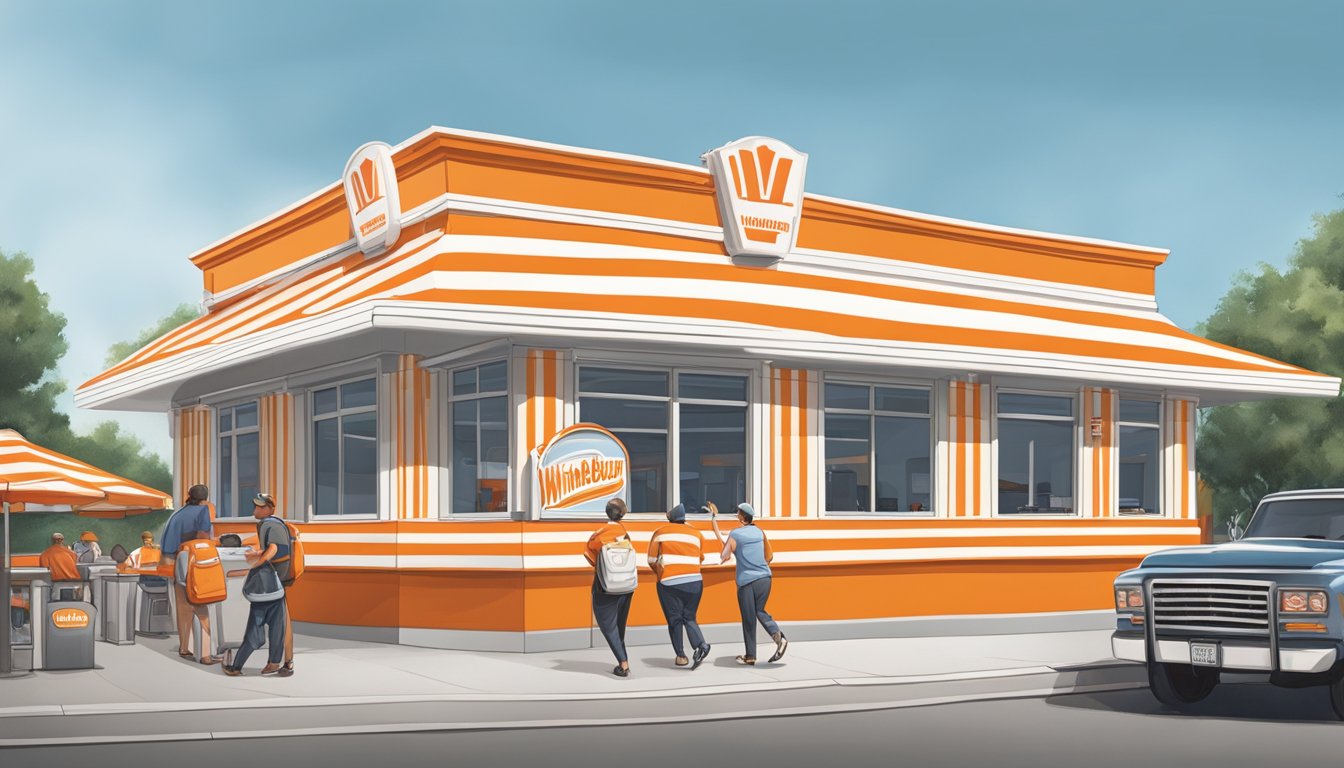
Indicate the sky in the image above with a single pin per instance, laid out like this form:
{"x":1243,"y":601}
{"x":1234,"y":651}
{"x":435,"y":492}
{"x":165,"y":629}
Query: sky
{"x":138,"y":132}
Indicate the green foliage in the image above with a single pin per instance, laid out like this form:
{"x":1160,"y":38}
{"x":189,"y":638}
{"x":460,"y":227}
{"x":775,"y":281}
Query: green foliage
{"x":30,"y":532}
{"x":1247,"y":450}
{"x":183,"y":314}
{"x":32,"y":341}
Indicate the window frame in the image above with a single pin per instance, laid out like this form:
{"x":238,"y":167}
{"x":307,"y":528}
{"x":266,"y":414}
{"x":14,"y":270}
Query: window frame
{"x":446,"y":443}
{"x":311,"y":417}
{"x":232,"y":434}
{"x":673,"y":431}
{"x":1160,"y":426}
{"x":1076,"y":447}
{"x":872,"y":383}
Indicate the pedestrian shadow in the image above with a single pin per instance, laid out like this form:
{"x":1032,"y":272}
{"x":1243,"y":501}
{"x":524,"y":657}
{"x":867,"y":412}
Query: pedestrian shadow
{"x":731,"y":661}
{"x":1235,"y":702}
{"x":585,"y":667}
{"x":662,"y":662}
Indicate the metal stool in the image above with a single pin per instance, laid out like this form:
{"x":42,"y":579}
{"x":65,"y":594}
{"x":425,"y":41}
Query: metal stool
{"x":156,"y":612}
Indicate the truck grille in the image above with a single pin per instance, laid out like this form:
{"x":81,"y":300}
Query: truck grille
{"x":1212,"y":606}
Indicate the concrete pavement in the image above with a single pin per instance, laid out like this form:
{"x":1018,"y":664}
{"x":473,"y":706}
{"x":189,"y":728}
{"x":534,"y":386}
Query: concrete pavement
{"x":399,"y":688}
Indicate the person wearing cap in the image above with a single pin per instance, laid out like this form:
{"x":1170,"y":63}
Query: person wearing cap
{"x":144,"y":554}
{"x":610,"y":611}
{"x":64,"y":567}
{"x":87,"y":549}
{"x":273,"y":547}
{"x":675,"y":554}
{"x":192,"y":521}
{"x":752,"y":549}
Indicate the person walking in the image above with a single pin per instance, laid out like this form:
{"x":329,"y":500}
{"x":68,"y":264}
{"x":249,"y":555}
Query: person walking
{"x":752,"y":549}
{"x":267,"y":621}
{"x":610,"y":610}
{"x":675,"y":554}
{"x":192,"y":521}
{"x":281,"y":562}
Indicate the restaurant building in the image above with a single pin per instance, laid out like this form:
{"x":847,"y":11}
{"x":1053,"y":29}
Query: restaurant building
{"x":944,"y":425}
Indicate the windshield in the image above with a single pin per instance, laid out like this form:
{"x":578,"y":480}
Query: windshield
{"x":1299,"y":519}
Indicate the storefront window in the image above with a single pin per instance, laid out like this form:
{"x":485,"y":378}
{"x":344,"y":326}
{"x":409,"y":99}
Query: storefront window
{"x":1140,"y":447}
{"x":878,"y":442}
{"x":1036,"y":435}
{"x":345,"y":449}
{"x":706,"y":449}
{"x":239,"y":460}
{"x":480,"y":439}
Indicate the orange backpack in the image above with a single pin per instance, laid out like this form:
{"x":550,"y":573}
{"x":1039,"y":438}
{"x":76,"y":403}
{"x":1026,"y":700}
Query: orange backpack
{"x":201,"y":572}
{"x":295,"y":557}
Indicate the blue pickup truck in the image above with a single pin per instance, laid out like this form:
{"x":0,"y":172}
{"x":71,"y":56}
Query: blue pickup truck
{"x":1271,"y":602}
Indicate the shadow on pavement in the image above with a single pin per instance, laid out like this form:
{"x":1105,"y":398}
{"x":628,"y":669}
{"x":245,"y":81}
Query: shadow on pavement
{"x":587,"y":667}
{"x":1257,"y":702}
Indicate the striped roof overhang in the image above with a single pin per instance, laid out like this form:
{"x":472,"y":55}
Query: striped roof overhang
{"x":459,"y":272}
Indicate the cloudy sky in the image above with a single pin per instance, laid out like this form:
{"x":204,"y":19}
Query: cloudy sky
{"x":135,"y":132}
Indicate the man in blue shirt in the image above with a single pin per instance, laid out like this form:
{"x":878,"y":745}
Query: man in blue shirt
{"x":192,"y":521}
{"x":753,"y":579}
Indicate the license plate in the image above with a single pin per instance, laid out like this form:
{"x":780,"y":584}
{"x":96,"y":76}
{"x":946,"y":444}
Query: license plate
{"x":1204,"y":654}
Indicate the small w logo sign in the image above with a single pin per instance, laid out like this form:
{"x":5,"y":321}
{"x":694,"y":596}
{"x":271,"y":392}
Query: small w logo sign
{"x":760,"y":176}
{"x":364,"y":182}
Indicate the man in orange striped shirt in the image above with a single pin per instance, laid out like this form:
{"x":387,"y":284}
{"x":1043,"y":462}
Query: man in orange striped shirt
{"x":675,"y":554}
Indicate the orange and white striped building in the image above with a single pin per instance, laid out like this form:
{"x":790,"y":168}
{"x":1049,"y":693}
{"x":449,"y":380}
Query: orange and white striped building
{"x":941,"y":423}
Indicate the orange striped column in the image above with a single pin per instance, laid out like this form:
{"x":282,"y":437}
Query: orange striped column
{"x":1179,"y":458}
{"x":192,"y":430}
{"x":793,"y":468}
{"x":1100,"y":491}
{"x":544,"y":376}
{"x":278,"y":470}
{"x":967,"y":483}
{"x":413,"y":404}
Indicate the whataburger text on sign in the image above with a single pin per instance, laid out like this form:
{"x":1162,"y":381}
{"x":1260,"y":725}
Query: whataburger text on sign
{"x":373,"y":198}
{"x":759,"y":184}
{"x":578,"y":471}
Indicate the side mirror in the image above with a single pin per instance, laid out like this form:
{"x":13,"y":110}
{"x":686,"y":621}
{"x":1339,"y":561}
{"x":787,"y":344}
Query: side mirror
{"x":1234,"y":529}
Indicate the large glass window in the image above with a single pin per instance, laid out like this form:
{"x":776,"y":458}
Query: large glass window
{"x":480,"y":440}
{"x":878,"y":443}
{"x":1036,"y":435}
{"x":239,"y":460}
{"x":683,"y":424}
{"x":1140,"y":449}
{"x":345,"y":449}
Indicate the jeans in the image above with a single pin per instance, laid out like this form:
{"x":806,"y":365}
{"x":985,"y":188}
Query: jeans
{"x":751,"y":602}
{"x":611,"y":611}
{"x":680,"y":602}
{"x":272,"y":616}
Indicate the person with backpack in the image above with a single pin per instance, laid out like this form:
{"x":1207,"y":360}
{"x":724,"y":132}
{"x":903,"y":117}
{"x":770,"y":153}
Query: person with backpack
{"x":753,"y":553}
{"x":189,"y":523}
{"x":612,"y":555}
{"x":289,"y":565}
{"x":265,"y":590}
{"x":675,"y":554}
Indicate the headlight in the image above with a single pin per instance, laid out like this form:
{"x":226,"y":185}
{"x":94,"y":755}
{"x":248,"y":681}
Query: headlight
{"x":1128,"y":598}
{"x":1303,"y":601}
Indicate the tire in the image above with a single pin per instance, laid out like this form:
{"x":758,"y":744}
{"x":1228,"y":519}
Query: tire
{"x":1337,"y":697}
{"x":1176,"y":685}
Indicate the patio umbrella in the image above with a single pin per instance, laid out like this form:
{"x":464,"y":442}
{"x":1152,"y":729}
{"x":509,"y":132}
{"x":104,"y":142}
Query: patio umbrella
{"x":33,"y":475}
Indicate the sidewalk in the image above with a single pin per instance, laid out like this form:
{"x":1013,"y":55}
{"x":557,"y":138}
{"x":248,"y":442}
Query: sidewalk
{"x":149,"y":677}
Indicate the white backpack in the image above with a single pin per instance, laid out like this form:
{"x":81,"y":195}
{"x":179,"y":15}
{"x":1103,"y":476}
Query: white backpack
{"x":617,"y":566}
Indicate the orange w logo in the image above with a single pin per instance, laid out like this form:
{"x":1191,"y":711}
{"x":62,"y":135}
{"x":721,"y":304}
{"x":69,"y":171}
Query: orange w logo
{"x":761,"y":177}
{"x":364,"y":181}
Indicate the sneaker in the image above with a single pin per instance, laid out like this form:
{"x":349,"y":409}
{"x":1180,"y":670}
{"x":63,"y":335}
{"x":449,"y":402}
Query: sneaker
{"x":232,"y":671}
{"x":699,"y":655}
{"x":620,"y":671}
{"x":748,"y":660}
{"x":781,"y":645}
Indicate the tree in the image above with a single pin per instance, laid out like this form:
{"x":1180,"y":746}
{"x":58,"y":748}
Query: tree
{"x":32,"y":341}
{"x":1247,"y":450}
{"x":184,"y":313}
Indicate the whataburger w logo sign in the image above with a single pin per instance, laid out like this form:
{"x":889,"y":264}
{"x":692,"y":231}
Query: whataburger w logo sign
{"x":372,"y":196}
{"x":578,"y":471}
{"x":759,"y":183}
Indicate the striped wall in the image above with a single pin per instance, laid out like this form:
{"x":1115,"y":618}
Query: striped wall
{"x":793,"y":444}
{"x":543,"y":395}
{"x":279,"y":470}
{"x":192,"y":428}
{"x":1179,"y":459}
{"x":411,"y":401}
{"x":965,"y":452}
{"x":1100,"y":458}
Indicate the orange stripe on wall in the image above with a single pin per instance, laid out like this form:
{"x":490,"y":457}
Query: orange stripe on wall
{"x":786,"y":441}
{"x":959,"y":388}
{"x":977,"y":464}
{"x":804,"y":469}
{"x":531,"y":393}
{"x":550,"y":391}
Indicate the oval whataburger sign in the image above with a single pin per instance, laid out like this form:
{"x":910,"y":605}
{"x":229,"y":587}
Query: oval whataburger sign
{"x":578,"y":470}
{"x":70,"y":618}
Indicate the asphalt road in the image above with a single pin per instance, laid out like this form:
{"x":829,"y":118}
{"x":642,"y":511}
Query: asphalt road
{"x":1251,"y":725}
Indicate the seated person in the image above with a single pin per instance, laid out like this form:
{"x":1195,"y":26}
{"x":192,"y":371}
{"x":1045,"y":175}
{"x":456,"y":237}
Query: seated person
{"x":64,"y":567}
{"x":87,"y":549}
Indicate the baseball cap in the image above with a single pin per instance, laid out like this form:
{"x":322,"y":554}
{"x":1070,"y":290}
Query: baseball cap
{"x":677,"y":514}
{"x":746,"y":509}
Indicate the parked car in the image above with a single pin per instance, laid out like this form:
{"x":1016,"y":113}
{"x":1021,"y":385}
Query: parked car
{"x":1271,"y":602}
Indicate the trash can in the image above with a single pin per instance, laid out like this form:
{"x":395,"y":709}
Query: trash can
{"x":68,"y":627}
{"x":115,"y":600}
{"x":155,"y":614}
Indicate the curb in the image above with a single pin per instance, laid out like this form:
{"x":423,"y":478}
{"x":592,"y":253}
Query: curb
{"x":1060,"y":688}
